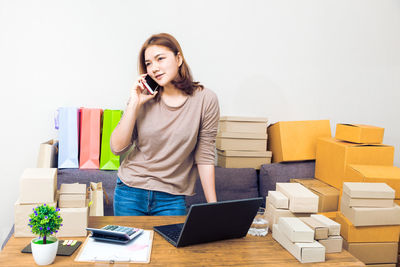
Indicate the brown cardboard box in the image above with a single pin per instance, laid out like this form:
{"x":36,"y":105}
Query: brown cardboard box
{"x":38,"y":185}
{"x":296,"y":140}
{"x":242,"y":124}
{"x":389,"y":175}
{"x":373,"y":252}
{"x":47,"y":157}
{"x":331,"y":215}
{"x":333,"y":156}
{"x":75,"y":222}
{"x":72,"y":196}
{"x":328,"y":195}
{"x":241,"y":141}
{"x":359,"y":133}
{"x":320,"y":230}
{"x":371,"y":216}
{"x":21,"y":218}
{"x":352,"y":234}
{"x":243,"y":159}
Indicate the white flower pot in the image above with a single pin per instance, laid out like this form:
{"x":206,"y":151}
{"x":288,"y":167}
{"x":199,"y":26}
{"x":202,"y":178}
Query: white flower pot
{"x":44,"y":254}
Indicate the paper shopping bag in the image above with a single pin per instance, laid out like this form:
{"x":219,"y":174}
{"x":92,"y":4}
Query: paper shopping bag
{"x":68,"y":137}
{"x":89,"y":155}
{"x":96,"y":206}
{"x":109,"y":161}
{"x":48,"y":153}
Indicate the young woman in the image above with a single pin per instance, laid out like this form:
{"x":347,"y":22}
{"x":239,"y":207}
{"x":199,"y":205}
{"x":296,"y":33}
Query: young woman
{"x":173,"y":132}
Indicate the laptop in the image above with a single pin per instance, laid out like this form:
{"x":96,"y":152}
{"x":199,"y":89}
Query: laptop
{"x":209,"y":222}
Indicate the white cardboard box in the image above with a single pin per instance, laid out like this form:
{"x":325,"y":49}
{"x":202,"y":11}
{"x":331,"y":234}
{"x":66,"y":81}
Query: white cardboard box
{"x":72,"y":195}
{"x":320,"y":230}
{"x":304,"y":252}
{"x":296,"y":230}
{"x":332,"y":244}
{"x":278,"y":199}
{"x":334,"y":227}
{"x":367,"y":202}
{"x":38,"y":185}
{"x":21,"y":218}
{"x":75,"y":222}
{"x":371,"y":216}
{"x":273,"y":214}
{"x":300,"y":198}
{"x":368,"y":190}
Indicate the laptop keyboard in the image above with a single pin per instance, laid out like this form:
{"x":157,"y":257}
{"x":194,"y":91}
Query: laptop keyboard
{"x":172,"y":231}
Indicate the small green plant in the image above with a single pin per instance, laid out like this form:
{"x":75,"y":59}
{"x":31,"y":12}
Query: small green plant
{"x":45,"y":221}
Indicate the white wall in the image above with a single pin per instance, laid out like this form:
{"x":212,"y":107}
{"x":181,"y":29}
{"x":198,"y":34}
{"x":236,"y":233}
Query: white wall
{"x":287,"y":60}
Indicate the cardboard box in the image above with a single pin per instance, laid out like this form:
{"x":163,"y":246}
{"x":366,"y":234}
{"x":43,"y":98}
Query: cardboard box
{"x":364,"y":234}
{"x":368,"y":190}
{"x":331,"y":215}
{"x":296,"y":140}
{"x":359,"y":133}
{"x":389,"y":175}
{"x":367,"y":202}
{"x":300,"y":198}
{"x":21,"y":218}
{"x":272,"y":214}
{"x":242,"y":124}
{"x":333,"y":156}
{"x":371,"y":216}
{"x":72,"y":195}
{"x":304,"y":252}
{"x":278,"y":199}
{"x":333,"y":227}
{"x":328,"y":196}
{"x":38,"y":185}
{"x":373,"y":252}
{"x":296,"y":230}
{"x":243,"y":159}
{"x":320,"y":230}
{"x":241,"y":141}
{"x":47,"y":157}
{"x":333,"y":244}
{"x":75,"y":222}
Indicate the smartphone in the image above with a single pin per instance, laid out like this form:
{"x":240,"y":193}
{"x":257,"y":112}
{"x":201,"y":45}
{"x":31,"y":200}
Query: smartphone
{"x":150,"y":84}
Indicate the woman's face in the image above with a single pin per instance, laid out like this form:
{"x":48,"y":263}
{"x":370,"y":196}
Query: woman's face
{"x":162,"y":64}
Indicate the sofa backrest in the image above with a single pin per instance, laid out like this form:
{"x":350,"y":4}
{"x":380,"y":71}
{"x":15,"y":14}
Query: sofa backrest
{"x":230,"y":184}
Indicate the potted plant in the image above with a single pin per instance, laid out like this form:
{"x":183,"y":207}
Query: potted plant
{"x":45,"y":221}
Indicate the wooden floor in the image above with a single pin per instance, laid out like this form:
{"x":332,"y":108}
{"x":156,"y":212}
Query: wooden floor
{"x":248,"y":251}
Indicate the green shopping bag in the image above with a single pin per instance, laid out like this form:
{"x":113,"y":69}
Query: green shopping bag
{"x":109,"y":161}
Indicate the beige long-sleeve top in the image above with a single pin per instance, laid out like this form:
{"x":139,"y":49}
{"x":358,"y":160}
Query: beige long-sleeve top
{"x":169,"y":142}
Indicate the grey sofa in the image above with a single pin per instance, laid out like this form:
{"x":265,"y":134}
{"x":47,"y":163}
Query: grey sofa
{"x":230,"y":183}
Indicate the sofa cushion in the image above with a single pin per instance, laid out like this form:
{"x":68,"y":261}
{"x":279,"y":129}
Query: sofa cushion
{"x":230,"y":184}
{"x":108,"y":178}
{"x":282,"y":172}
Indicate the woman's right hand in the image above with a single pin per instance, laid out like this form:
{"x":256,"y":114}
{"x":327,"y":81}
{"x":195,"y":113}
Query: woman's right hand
{"x":139,"y":95}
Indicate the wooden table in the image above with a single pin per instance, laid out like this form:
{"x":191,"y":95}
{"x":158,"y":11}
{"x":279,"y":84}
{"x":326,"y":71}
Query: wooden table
{"x":248,"y":251}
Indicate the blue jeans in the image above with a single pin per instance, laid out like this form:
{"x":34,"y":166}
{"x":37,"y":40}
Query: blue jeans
{"x":131,"y":201}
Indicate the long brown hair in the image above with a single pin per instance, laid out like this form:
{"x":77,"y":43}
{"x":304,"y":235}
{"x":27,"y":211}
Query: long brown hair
{"x":184,"y":81}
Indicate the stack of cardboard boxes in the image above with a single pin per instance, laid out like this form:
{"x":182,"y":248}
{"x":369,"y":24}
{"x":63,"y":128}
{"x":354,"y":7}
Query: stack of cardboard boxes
{"x":370,"y":219}
{"x":73,"y":209}
{"x":288,"y":213}
{"x":242,"y":142}
{"x":357,"y":154}
{"x":39,"y":186}
{"x":290,"y":200}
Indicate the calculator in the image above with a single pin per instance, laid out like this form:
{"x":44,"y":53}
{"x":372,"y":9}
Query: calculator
{"x":115,"y":233}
